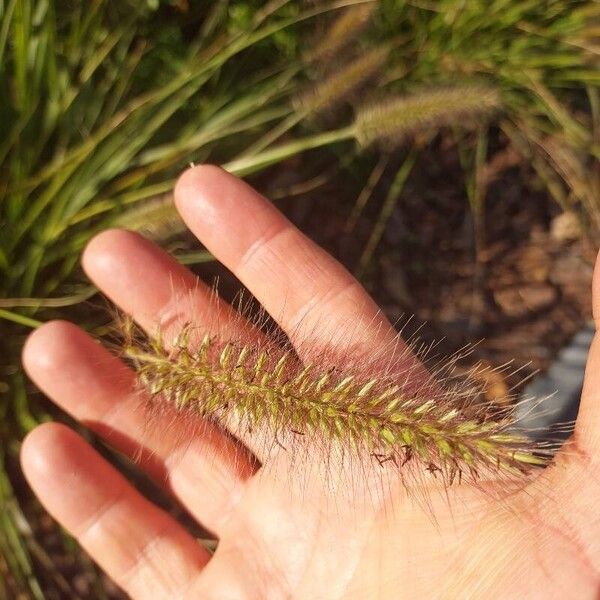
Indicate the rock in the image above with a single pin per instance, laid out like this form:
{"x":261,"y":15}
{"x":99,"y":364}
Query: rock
{"x":558,"y":390}
{"x":566,"y":227}
{"x":520,"y":300}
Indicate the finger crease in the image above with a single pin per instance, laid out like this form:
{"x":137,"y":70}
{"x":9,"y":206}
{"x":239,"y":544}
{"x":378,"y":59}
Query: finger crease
{"x":266,"y":239}
{"x":330,"y":296}
{"x":100,"y":514}
{"x":143,"y":556}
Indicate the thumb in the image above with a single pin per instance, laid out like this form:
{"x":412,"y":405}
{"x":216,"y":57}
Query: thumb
{"x":587,"y":427}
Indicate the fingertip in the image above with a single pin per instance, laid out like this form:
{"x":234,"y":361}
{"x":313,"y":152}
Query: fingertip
{"x":43,"y":349}
{"x":103,"y":255}
{"x":212,"y":201}
{"x":136,"y":274}
{"x":135,"y":542}
{"x":74,"y":370}
{"x":224,"y":212}
{"x":198,"y":183}
{"x":43,"y":451}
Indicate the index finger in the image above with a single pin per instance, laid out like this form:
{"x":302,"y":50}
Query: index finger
{"x":312,"y":296}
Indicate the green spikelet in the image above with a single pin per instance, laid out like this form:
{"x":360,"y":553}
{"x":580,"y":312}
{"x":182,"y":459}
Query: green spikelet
{"x":395,"y":119}
{"x":270,"y":390}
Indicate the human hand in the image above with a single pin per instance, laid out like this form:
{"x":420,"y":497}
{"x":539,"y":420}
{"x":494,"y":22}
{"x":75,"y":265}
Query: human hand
{"x":542,"y":542}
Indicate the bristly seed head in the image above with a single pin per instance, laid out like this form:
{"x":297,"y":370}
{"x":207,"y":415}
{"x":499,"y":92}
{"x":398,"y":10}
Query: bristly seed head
{"x":336,"y":87}
{"x":265,"y":387}
{"x":392,"y":120}
{"x":343,"y":31}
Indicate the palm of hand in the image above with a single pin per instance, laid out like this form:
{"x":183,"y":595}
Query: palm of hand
{"x":534,"y":546}
{"x":282,"y":535}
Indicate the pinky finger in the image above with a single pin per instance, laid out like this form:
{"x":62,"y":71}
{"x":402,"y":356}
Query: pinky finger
{"x":141,"y":547}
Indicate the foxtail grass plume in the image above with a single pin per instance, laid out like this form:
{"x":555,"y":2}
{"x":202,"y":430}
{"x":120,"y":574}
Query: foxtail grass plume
{"x":392,"y":120}
{"x":340,"y":84}
{"x":374,"y":415}
{"x":342,"y":31}
{"x":155,"y":218}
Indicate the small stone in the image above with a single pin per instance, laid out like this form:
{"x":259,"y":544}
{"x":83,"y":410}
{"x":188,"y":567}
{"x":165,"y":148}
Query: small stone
{"x":566,"y":227}
{"x":520,"y":300}
{"x":537,"y":297}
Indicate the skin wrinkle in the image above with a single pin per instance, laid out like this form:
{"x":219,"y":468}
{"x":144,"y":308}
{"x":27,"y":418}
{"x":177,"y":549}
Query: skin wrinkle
{"x":100,"y":513}
{"x":571,"y":553}
{"x":112,"y":417}
{"x":111,"y":420}
{"x":311,"y":556}
{"x":119,"y":506}
{"x":245,"y":544}
{"x":482,"y":569}
{"x":208,"y":310}
{"x":105,"y":418}
{"x":329,"y":297}
{"x":357,"y":560}
{"x":153,"y":303}
{"x":171,"y":313}
{"x":313,"y":553}
{"x":471,"y":570}
{"x":232,"y":492}
{"x":586,"y":469}
{"x":579,"y":550}
{"x":277,"y":567}
{"x":192,"y":195}
{"x":537,"y":522}
{"x":263,"y":244}
{"x":143,"y":558}
{"x":316,"y":531}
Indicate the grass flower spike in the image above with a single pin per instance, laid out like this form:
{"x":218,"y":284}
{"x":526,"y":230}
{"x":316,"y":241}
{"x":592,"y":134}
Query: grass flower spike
{"x":342,"y":31}
{"x":395,"y":119}
{"x":342,"y":83}
{"x":402,"y":417}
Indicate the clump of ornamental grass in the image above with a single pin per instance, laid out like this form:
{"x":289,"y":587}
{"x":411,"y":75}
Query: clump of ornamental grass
{"x":353,"y":405}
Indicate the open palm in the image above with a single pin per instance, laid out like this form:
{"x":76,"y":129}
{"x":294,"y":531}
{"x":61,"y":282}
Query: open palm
{"x":282,"y":534}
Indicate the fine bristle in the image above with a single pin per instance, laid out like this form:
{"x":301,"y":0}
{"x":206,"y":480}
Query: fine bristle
{"x":397,"y":416}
